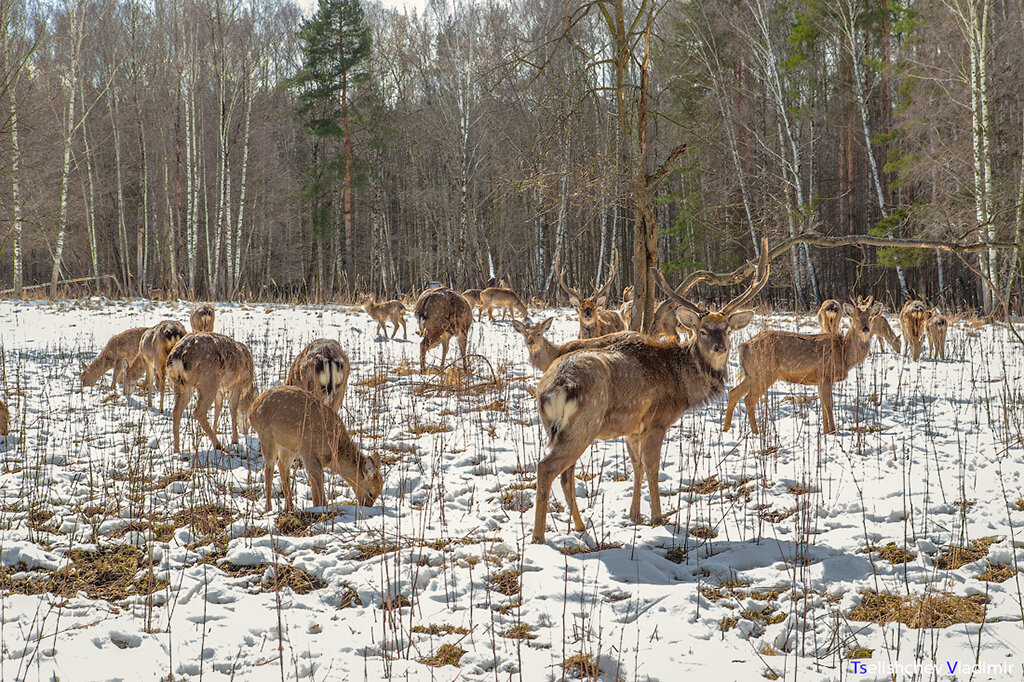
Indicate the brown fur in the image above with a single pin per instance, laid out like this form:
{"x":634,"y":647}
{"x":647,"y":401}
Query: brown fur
{"x":322,"y":368}
{"x":155,"y":346}
{"x":214,"y":366}
{"x":627,"y":294}
{"x":201,"y":318}
{"x":912,"y":319}
{"x":664,"y":324}
{"x":5,"y":419}
{"x":829,"y":315}
{"x":632,"y":389}
{"x":594,"y":321}
{"x":473,"y":296}
{"x":293,"y":423}
{"x":121,"y":354}
{"x":936,"y":328}
{"x":389,"y":311}
{"x":815,"y":359}
{"x":543,"y":352}
{"x":880,"y":328}
{"x":504,"y":298}
{"x":626,"y":312}
{"x":442,"y":314}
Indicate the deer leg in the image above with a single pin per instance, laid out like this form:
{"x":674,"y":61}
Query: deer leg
{"x":269,"y":449}
{"x":650,"y":452}
{"x":633,"y":447}
{"x":444,"y":349}
{"x":161,"y":384}
{"x":735,"y":394}
{"x":203,"y":404}
{"x":828,"y":423}
{"x":751,"y":400}
{"x":182,"y":394}
{"x":315,"y":477}
{"x":405,"y":331}
{"x":233,"y":406}
{"x":462,"y":347}
{"x":394,"y":333}
{"x":569,"y":490}
{"x":562,"y":456}
{"x":149,"y":388}
{"x":423,"y":356}
{"x":490,"y":312}
{"x":284,"y":465}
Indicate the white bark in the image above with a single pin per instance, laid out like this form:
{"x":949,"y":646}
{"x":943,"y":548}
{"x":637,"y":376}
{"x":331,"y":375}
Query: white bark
{"x":16,"y":194}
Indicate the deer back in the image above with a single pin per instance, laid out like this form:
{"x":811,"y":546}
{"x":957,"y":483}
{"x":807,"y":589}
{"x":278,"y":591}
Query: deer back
{"x":300,"y":423}
{"x":441,"y":311}
{"x":160,"y":339}
{"x":321,"y":368}
{"x":473,"y":296}
{"x":211,"y":361}
{"x":201,"y":319}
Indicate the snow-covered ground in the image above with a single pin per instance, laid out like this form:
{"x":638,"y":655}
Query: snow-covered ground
{"x":756,"y":577}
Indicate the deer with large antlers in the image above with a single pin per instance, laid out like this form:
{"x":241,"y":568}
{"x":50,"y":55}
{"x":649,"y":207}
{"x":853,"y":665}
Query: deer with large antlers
{"x":810,"y":359}
{"x":543,"y":352}
{"x":594,"y":320}
{"x":634,"y":389}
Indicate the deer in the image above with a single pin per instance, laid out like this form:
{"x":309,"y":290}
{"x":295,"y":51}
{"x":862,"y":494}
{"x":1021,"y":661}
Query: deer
{"x":829,"y":315}
{"x":880,"y":328}
{"x":912,"y":320}
{"x":154,"y":347}
{"x":389,"y":311}
{"x":121,"y":354}
{"x":322,"y":369}
{"x":5,"y":417}
{"x":543,"y":352}
{"x":473,"y":296}
{"x":634,"y":389}
{"x":201,"y":318}
{"x":936,"y":328}
{"x":810,"y":359}
{"x":213,"y":366}
{"x":442,"y":314}
{"x":593,"y":320}
{"x":504,"y":298}
{"x":290,"y":423}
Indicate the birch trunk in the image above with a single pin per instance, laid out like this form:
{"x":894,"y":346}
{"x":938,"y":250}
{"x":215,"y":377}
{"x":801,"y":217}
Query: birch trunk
{"x":16,"y":195}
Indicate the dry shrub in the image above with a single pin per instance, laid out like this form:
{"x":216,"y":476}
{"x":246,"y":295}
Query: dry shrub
{"x":506,"y":582}
{"x":929,"y":611}
{"x":448,"y":654}
{"x":582,"y":665}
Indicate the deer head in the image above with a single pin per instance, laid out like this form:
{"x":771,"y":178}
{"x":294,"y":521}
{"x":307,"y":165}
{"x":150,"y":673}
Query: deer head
{"x":588,"y":306}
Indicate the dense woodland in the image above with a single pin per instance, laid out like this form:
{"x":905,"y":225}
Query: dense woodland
{"x":199,"y":148}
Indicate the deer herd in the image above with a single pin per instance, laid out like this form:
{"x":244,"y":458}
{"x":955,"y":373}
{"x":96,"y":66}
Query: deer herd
{"x":608,"y":383}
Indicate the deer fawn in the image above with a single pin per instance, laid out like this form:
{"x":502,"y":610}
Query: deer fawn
{"x":593,"y":320}
{"x":635,"y":389}
{"x":390,"y":311}
{"x":121,"y":354}
{"x":291,"y":422}
{"x":543,"y":352}
{"x":155,"y":346}
{"x":829,"y":315}
{"x":5,"y":417}
{"x":213,"y":366}
{"x":936,"y":328}
{"x":322,"y":368}
{"x":821,"y":359}
{"x":504,"y":298}
{"x":201,"y":318}
{"x":912,"y":319}
{"x":442,"y":314}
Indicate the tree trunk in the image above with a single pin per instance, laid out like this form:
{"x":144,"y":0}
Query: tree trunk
{"x":16,"y":195}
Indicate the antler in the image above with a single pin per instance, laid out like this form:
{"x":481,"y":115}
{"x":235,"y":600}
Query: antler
{"x":659,"y":277}
{"x":756,"y":284}
{"x":604,"y":288}
{"x":561,"y":280}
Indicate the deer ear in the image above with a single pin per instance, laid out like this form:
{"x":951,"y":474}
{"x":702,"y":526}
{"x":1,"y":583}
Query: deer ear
{"x":847,"y":310}
{"x":876,"y":308}
{"x":602,"y":301}
{"x":545,"y":325}
{"x":574,"y":301}
{"x":740,"y":319}
{"x":519,"y":327}
{"x":369,"y":466}
{"x":687,"y":318}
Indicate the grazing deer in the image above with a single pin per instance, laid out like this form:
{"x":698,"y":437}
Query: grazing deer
{"x":442,"y":314}
{"x":121,"y":354}
{"x":593,"y":320}
{"x":543,"y":352}
{"x":291,"y":422}
{"x":201,"y":318}
{"x":155,"y":346}
{"x":829,"y":315}
{"x":322,"y":368}
{"x":811,"y":359}
{"x":390,"y":311}
{"x":635,"y":389}
{"x":214,"y":366}
{"x":502,"y":297}
{"x":936,"y":328}
{"x":473,"y":296}
{"x":912,"y":319}
{"x":5,"y":417}
{"x":880,"y":328}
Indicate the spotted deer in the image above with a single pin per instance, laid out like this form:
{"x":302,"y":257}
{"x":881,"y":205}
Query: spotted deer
{"x":594,"y":320}
{"x":912,"y":320}
{"x":154,"y":347}
{"x":121,"y":354}
{"x":442,"y":314}
{"x":504,"y":298}
{"x":292,"y":423}
{"x":543,"y":352}
{"x":389,"y":311}
{"x":322,"y":368}
{"x":201,"y":318}
{"x":936,"y":328}
{"x":829,"y":315}
{"x":213,"y":366}
{"x":810,"y":359}
{"x":634,"y":389}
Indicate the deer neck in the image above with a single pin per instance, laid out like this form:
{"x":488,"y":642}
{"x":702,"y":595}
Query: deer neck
{"x":855,"y":348}
{"x":688,"y":360}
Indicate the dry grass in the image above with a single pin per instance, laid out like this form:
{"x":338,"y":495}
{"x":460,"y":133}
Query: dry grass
{"x":522,"y":631}
{"x":956,"y":556}
{"x":582,"y":666}
{"x":106,"y":573}
{"x":929,"y":611}
{"x":574,"y":550}
{"x":448,"y":654}
{"x":703,"y":532}
{"x":506,"y":582}
{"x":206,"y":519}
{"x":437,"y":630}
{"x":891,"y":553}
{"x":705,"y":487}
{"x":996,"y":573}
